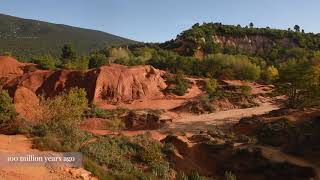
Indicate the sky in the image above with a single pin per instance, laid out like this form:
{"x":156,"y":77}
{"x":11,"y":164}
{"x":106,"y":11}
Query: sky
{"x":162,"y":20}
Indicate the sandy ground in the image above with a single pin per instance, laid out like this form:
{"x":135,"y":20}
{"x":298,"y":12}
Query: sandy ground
{"x":190,"y":122}
{"x":20,"y":143}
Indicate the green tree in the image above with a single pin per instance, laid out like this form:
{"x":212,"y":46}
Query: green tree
{"x":296,"y":28}
{"x":68,"y":55}
{"x":119,"y":53}
{"x":45,"y":62}
{"x":7,"y":53}
{"x":210,"y":47}
{"x":82,"y":63}
{"x":211,"y":86}
{"x":7,"y":110}
{"x":57,"y":114}
{"x":181,"y":87}
{"x":97,"y":60}
{"x":300,"y":81}
{"x":271,"y":74}
{"x":251,"y":25}
{"x":60,"y":123}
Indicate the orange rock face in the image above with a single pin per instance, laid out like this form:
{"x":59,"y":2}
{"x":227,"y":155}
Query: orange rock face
{"x":111,"y":84}
{"x":118,"y":83}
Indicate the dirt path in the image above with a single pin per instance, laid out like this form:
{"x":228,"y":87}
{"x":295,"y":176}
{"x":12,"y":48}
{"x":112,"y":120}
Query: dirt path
{"x":20,"y":143}
{"x":191,"y":123}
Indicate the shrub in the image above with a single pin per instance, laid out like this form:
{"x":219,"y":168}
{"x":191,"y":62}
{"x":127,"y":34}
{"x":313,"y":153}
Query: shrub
{"x":115,"y":125}
{"x":97,"y":60}
{"x":300,"y":82}
{"x":7,"y":53}
{"x":120,"y":155}
{"x":180,"y":84}
{"x":119,"y":53}
{"x":206,"y":104}
{"x":270,"y":74}
{"x":276,"y":133}
{"x":152,"y":154}
{"x":193,"y":176}
{"x":180,"y":88}
{"x":245,"y":90}
{"x":182,"y":176}
{"x":61,"y":125}
{"x":97,"y":170}
{"x":82,"y":63}
{"x":7,"y":109}
{"x":96,"y":112}
{"x":211,"y":86}
{"x":45,"y":62}
{"x":229,"y":176}
{"x":246,"y":70}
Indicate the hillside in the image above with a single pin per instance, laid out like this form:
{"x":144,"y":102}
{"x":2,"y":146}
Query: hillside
{"x":25,"y":38}
{"x":209,"y":38}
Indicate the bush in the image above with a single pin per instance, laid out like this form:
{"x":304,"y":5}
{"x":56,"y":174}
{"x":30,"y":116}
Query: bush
{"x":7,"y":109}
{"x":115,"y":125}
{"x":152,"y":154}
{"x":97,"y":170}
{"x":61,"y":125}
{"x":245,"y":90}
{"x":95,"y":112}
{"x":211,"y":86}
{"x":182,"y":176}
{"x":82,"y":63}
{"x":270,"y":74}
{"x":181,"y":88}
{"x":119,"y":53}
{"x":276,"y":133}
{"x":300,"y":82}
{"x":192,"y":176}
{"x":97,"y":60}
{"x":195,"y":176}
{"x":178,"y":85}
{"x":45,"y":62}
{"x":246,"y":70}
{"x":229,"y":176}
{"x":120,"y":155}
{"x":206,"y":104}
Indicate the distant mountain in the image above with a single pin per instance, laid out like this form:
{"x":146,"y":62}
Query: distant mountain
{"x":25,"y":38}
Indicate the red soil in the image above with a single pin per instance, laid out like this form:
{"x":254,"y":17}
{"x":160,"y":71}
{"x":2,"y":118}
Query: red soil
{"x":113,"y":84}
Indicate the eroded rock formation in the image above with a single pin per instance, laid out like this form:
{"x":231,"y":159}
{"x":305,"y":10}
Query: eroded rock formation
{"x":111,"y":84}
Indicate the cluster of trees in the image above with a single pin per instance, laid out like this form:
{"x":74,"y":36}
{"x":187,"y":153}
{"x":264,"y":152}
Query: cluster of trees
{"x":300,"y":81}
{"x":214,"y":66}
{"x":190,"y":40}
{"x":69,"y":59}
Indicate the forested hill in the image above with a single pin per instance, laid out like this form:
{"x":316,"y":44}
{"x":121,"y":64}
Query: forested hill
{"x":210,"y":38}
{"x":25,"y":38}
